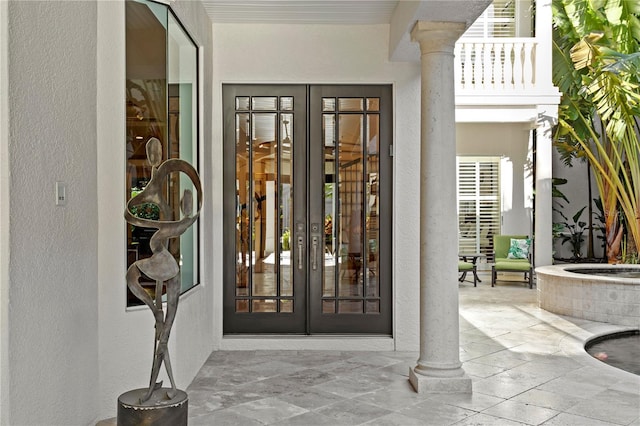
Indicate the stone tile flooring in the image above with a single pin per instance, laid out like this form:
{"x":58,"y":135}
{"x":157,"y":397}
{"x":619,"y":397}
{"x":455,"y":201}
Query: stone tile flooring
{"x":527,"y":367}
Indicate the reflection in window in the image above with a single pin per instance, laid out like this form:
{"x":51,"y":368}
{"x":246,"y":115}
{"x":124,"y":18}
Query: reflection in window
{"x":264,"y":206}
{"x":351,"y":209}
{"x":161,"y":102}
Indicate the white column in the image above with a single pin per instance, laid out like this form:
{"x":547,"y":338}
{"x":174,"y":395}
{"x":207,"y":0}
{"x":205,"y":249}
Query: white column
{"x":547,"y":118}
{"x":439,"y":369}
{"x":544,"y":60}
{"x":543,"y":238}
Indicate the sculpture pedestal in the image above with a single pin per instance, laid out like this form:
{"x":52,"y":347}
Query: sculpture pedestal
{"x":157,"y":411}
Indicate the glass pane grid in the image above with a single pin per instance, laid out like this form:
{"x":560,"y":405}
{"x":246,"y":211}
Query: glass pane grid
{"x":265,"y":305}
{"x":264,"y":145}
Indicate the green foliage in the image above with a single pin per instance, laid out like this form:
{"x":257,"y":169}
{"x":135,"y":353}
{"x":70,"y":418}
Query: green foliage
{"x":596,"y":64}
{"x":286,"y":237}
{"x":149,"y":211}
{"x":576,"y":230}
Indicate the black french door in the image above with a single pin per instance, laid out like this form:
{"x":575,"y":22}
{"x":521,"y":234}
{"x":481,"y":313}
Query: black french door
{"x":307,"y":209}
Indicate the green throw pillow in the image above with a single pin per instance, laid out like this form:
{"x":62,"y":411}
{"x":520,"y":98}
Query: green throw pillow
{"x":519,"y":249}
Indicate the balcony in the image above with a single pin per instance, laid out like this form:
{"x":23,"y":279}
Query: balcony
{"x":502,"y":79}
{"x":495,"y":66}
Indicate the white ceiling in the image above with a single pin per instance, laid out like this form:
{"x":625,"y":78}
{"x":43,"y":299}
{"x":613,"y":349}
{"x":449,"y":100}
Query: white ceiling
{"x":301,"y":11}
{"x":400,"y":14}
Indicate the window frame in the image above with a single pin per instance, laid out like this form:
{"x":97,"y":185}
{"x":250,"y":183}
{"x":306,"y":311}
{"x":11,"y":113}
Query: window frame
{"x":168,"y":19}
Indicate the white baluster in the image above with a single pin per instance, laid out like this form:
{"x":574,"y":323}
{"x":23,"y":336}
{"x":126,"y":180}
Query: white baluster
{"x":508,"y":66}
{"x":498,"y":65}
{"x":528,"y":74}
{"x":487,"y":67}
{"x":468,"y":66}
{"x":477,"y":66}
{"x":518,"y":78}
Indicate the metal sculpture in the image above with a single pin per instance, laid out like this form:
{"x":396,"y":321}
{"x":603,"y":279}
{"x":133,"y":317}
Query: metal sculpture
{"x":161,"y":266}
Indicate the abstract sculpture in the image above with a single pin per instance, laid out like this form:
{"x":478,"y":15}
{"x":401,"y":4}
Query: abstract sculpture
{"x":161,"y":266}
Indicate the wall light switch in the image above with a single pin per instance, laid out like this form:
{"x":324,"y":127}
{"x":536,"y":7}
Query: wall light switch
{"x":61,"y":193}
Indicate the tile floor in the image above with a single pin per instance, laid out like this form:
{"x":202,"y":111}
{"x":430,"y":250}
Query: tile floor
{"x":527,"y":367}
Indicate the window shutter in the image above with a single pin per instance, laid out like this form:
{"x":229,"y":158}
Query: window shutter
{"x":498,"y":20}
{"x":478,"y":203}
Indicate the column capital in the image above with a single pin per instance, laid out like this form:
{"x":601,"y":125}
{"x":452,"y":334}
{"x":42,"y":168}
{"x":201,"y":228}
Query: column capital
{"x":436,"y":36}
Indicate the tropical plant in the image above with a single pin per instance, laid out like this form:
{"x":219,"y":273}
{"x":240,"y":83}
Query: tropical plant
{"x":596,"y":65}
{"x":576,"y":231}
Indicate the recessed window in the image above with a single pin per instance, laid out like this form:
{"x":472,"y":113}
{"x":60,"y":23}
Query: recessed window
{"x":479,"y":204}
{"x":162,"y":103}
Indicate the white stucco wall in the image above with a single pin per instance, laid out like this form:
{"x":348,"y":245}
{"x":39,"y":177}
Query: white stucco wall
{"x":577,"y":191}
{"x":126,"y":336}
{"x":510,"y":141}
{"x":68,"y":346}
{"x":53,"y":262}
{"x":4,"y":215}
{"x":331,"y":54}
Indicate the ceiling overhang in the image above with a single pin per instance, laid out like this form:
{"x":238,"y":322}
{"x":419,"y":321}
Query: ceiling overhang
{"x":400,"y":15}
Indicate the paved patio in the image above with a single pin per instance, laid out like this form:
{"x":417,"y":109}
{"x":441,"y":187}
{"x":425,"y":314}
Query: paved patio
{"x":527,"y":366}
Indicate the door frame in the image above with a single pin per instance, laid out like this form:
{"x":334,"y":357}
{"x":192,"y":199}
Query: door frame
{"x":308,"y":322}
{"x":323,"y":323}
{"x":256,"y":322}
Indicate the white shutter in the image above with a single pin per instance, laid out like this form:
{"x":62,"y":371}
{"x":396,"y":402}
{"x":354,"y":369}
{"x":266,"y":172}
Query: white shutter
{"x":478,"y":203}
{"x":498,"y":20}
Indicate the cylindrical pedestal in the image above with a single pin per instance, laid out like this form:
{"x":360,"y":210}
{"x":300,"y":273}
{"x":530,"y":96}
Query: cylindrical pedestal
{"x":157,"y":411}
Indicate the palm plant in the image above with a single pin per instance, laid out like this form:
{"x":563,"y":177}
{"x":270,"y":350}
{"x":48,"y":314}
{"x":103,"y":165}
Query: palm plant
{"x":596,"y":66}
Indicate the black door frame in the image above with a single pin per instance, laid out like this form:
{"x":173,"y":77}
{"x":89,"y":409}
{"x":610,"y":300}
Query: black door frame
{"x":307,"y":317}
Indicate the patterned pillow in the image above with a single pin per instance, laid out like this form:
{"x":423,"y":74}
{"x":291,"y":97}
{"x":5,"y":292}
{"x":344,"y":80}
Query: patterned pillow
{"x":519,"y":249}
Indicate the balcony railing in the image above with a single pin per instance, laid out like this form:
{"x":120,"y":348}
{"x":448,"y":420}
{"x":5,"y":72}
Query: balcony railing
{"x":495,"y":65}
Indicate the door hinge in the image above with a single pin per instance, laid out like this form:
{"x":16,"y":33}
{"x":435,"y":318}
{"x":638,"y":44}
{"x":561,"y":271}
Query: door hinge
{"x":391,"y":151}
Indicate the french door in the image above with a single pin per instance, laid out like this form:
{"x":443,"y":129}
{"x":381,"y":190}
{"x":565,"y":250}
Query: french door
{"x":307,"y":209}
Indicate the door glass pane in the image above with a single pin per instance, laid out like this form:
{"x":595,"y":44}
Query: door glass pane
{"x":330,"y":207}
{"x":351,"y":194}
{"x":242,"y":205}
{"x":242,"y":305}
{"x":266,"y":305}
{"x":350,"y":104}
{"x":373,"y":104}
{"x":286,"y":103}
{"x":328,"y":104}
{"x":328,"y":306}
{"x":371,"y":206}
{"x":350,"y":307}
{"x":351,"y":206}
{"x":264,"y":103}
{"x":373,"y":306}
{"x":242,"y":103}
{"x":286,"y":204}
{"x":265,"y":168}
{"x":286,"y":305}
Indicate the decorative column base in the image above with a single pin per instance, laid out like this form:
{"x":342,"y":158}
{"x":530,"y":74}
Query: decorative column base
{"x":157,"y":411}
{"x":434,"y":384}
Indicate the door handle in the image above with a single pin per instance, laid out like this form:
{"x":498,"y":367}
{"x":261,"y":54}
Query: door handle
{"x":314,"y":253}
{"x":300,"y":250}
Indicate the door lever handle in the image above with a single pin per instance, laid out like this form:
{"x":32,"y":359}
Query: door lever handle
{"x":300,"y":250}
{"x":314,"y":253}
